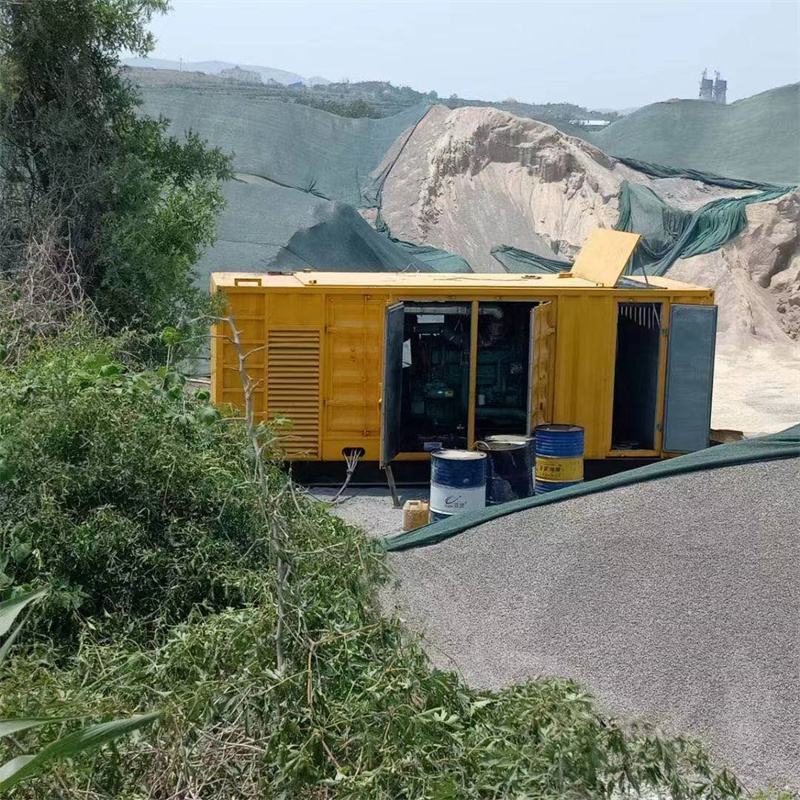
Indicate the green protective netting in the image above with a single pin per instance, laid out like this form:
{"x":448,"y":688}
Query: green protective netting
{"x":515,"y":260}
{"x":668,"y":233}
{"x":753,"y":139}
{"x":286,"y":143}
{"x":267,"y":227}
{"x":437,"y":260}
{"x":292,"y":162}
{"x":710,"y":178}
{"x":765,"y":448}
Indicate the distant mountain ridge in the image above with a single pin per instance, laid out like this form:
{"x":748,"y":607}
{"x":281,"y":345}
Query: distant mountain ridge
{"x":215,"y":67}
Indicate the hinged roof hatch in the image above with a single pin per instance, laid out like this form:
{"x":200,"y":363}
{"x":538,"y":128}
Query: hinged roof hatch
{"x":604,"y":256}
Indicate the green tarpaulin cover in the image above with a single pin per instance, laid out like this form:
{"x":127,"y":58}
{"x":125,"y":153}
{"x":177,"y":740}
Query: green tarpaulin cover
{"x":753,"y":139}
{"x":297,"y":166}
{"x":668,"y":233}
{"x":301,"y":175}
{"x":765,"y":448}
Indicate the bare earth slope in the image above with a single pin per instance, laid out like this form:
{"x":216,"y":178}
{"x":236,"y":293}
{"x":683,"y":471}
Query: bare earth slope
{"x":473,"y":178}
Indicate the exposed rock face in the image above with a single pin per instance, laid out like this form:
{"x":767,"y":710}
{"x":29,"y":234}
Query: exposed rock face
{"x":473,"y":178}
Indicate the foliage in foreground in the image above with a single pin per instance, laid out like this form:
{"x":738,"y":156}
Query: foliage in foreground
{"x":23,"y":767}
{"x":97,"y":204}
{"x":142,"y":506}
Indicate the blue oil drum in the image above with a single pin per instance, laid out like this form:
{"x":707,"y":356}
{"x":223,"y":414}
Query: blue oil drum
{"x":559,"y":457}
{"x":458,"y":482}
{"x":509,"y":473}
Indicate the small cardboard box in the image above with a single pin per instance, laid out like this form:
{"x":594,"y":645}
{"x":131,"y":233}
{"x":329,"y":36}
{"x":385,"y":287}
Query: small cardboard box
{"x":415,"y":514}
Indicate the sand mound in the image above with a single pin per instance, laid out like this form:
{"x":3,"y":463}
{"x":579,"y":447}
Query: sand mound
{"x":675,"y":599}
{"x":756,"y":278}
{"x":756,"y":275}
{"x":472,"y":178}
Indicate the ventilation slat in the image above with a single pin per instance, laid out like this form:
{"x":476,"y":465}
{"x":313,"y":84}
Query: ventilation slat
{"x":293,"y":381}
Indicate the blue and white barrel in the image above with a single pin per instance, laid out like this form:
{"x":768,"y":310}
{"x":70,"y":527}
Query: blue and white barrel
{"x":559,"y":457}
{"x":458,"y":482}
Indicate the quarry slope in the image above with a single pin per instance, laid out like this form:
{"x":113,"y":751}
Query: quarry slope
{"x":471,"y":178}
{"x":754,"y":138}
{"x":674,"y":599}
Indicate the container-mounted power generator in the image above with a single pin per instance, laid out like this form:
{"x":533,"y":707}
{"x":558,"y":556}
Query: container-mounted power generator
{"x":395,"y":366}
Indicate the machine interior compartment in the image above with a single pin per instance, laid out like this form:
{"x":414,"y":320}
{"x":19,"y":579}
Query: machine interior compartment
{"x":636,"y":376}
{"x":502,"y":385}
{"x":435,"y":386}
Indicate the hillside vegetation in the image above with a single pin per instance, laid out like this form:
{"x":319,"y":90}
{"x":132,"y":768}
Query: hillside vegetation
{"x":754,"y":139}
{"x":347,"y":99}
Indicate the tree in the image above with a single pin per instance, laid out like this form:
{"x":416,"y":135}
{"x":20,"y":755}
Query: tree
{"x":95,"y":201}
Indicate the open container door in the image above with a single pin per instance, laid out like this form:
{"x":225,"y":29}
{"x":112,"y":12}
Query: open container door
{"x":540,"y":365}
{"x":392,"y":387}
{"x":690,"y":378}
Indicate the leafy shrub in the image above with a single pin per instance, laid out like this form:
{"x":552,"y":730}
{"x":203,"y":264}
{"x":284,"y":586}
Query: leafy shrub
{"x":122,"y":491}
{"x":98,"y":205}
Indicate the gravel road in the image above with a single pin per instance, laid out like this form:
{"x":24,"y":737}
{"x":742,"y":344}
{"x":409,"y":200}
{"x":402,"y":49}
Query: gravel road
{"x":677,"y":600}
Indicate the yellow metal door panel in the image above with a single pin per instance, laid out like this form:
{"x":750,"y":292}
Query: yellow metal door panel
{"x":246,"y":307}
{"x":604,"y":256}
{"x":543,"y":336}
{"x":584,"y":382}
{"x":252,"y":331}
{"x":246,"y":304}
{"x":352,"y":382}
{"x":235,"y":397}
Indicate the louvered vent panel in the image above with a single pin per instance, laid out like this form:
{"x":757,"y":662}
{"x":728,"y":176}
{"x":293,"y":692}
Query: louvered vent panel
{"x":293,"y":388}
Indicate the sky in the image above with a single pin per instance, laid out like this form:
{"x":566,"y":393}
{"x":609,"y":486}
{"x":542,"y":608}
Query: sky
{"x":597,"y":54}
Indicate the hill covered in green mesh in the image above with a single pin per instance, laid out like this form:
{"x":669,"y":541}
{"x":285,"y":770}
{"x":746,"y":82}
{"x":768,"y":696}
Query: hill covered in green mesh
{"x":755,"y":139}
{"x":301,"y":174}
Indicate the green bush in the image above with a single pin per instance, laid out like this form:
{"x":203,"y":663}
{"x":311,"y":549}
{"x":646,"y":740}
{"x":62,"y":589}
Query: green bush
{"x":122,"y":491}
{"x":151,"y":523}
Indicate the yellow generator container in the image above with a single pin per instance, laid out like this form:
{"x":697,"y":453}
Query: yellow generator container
{"x":399,"y":365}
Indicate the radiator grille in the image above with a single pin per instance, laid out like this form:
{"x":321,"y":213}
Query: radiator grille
{"x":293,"y":389}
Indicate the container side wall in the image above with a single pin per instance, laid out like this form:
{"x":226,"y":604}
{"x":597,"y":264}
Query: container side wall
{"x":352,"y":382}
{"x":584,"y":369}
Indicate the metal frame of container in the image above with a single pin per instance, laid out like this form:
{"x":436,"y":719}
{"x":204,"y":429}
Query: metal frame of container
{"x":317,"y":342}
